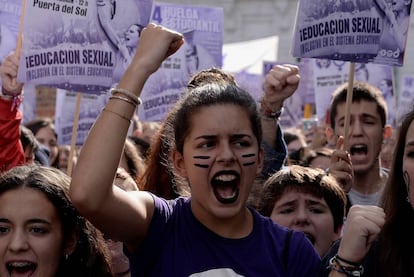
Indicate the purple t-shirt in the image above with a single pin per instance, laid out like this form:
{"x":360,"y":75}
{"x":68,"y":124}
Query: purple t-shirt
{"x":177,"y":244}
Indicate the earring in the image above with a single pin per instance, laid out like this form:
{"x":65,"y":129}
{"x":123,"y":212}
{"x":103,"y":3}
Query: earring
{"x":408,"y":199}
{"x":66,"y":257}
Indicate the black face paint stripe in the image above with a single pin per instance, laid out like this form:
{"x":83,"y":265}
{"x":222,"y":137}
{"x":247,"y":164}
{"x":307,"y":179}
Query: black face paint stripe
{"x":202,"y":165}
{"x":249,"y":164}
{"x":202,"y":157}
{"x":249,"y":155}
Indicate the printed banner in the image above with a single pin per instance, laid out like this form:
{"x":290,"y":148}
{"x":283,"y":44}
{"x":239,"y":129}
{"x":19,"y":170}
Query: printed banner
{"x":202,"y":28}
{"x":80,"y":45}
{"x":10,"y":12}
{"x":406,"y":97}
{"x":329,"y":74}
{"x":90,"y":107}
{"x":352,"y":30}
{"x":252,"y":83}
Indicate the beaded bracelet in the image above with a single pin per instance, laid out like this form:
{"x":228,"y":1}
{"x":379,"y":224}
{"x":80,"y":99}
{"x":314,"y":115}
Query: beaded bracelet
{"x":15,"y":97}
{"x":128,"y":94}
{"x":335,"y":265}
{"x":123,"y":99}
{"x":346,"y":261}
{"x":268,"y":112}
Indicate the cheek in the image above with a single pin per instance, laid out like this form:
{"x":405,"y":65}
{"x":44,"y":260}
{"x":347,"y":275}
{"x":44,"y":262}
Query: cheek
{"x":408,"y":173}
{"x":49,"y":255}
{"x":283,"y":220}
{"x":324,"y":224}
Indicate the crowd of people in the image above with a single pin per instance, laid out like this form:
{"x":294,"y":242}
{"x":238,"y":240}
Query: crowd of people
{"x":218,"y":184}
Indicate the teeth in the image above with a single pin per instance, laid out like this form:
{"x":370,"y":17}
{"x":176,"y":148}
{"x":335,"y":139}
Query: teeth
{"x":225,"y":178}
{"x":358,"y":146}
{"x":20,"y":264}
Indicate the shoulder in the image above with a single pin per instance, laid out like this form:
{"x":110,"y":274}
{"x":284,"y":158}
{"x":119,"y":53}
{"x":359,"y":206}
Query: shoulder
{"x":167,"y":207}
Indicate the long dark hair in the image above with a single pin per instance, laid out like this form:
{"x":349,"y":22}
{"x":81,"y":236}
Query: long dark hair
{"x":159,"y":177}
{"x":90,"y":257}
{"x":396,"y":237}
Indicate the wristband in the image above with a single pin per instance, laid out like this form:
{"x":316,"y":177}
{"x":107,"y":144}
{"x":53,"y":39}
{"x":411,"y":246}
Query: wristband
{"x":344,"y":260}
{"x":268,"y":112}
{"x":16,"y":98}
{"x":6,"y":92}
{"x":335,"y":265}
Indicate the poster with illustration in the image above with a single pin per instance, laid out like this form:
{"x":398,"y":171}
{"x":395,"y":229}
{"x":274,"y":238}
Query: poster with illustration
{"x":202,"y":28}
{"x":80,"y":45}
{"x":10,"y":12}
{"x":352,"y":30}
{"x":329,"y":74}
{"x":89,"y":109}
{"x":406,"y":97}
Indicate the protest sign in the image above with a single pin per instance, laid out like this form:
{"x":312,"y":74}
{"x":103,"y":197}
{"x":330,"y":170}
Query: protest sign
{"x":252,"y":83}
{"x":329,"y":74}
{"x":406,"y":97}
{"x":349,"y":30}
{"x":82,"y":45}
{"x":202,"y":28}
{"x":10,"y":11}
{"x":90,"y":107}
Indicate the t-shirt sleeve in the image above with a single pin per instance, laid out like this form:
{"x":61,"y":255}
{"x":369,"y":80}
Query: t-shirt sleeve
{"x":158,"y":231}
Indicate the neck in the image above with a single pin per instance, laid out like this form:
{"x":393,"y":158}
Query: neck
{"x":234,"y":227}
{"x":369,"y":182}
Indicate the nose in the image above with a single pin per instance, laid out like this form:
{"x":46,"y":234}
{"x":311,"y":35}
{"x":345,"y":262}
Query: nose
{"x":19,"y":241}
{"x":355,"y":128}
{"x":226,"y":153}
{"x":301,"y":218}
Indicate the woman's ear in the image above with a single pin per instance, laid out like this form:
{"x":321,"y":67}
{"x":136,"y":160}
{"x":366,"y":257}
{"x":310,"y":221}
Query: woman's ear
{"x":70,"y":244}
{"x":179,"y":164}
{"x":386,"y":134}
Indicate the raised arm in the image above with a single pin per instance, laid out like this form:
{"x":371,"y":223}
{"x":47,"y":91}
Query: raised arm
{"x":122,"y":215}
{"x":11,"y":149}
{"x":280,"y":83}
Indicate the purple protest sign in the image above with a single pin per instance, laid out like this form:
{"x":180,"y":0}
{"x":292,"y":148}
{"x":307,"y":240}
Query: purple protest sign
{"x":356,"y":31}
{"x":202,"y":28}
{"x":10,"y":11}
{"x":329,"y":74}
{"x":80,"y":45}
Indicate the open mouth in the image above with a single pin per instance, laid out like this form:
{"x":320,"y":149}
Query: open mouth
{"x":21,"y":269}
{"x":226,"y":186}
{"x":359,"y":149}
{"x":310,"y":237}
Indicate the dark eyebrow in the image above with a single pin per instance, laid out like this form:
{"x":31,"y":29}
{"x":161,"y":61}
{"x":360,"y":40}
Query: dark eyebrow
{"x":30,"y":221}
{"x":314,"y":202}
{"x":39,"y":220}
{"x":239,"y":136}
{"x":288,"y":203}
{"x":4,"y":220}
{"x":367,"y":115}
{"x":206,"y":137}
